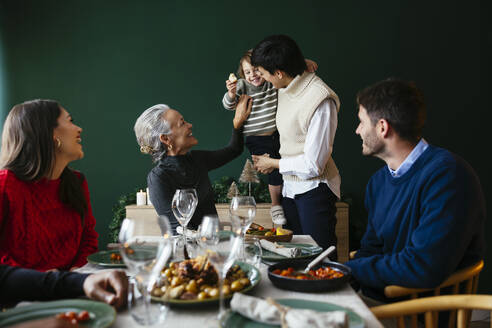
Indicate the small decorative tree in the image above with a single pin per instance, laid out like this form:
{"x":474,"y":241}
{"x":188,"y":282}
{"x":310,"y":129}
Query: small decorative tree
{"x":233,"y":190}
{"x":249,"y":175}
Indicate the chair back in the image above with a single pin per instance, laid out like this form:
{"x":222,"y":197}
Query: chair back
{"x":462,"y":304}
{"x":463,"y":281}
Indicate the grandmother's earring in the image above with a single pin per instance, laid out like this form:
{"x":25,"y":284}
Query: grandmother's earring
{"x":58,"y":143}
{"x":170,"y":147}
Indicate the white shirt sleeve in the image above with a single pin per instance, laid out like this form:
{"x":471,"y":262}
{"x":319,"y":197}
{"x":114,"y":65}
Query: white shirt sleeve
{"x":318,"y":145}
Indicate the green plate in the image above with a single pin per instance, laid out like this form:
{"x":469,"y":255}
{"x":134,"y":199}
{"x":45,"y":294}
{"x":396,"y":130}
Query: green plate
{"x":102,"y":315}
{"x":238,"y":321}
{"x":251,"y":272}
{"x":307,"y":250}
{"x":103,"y":258}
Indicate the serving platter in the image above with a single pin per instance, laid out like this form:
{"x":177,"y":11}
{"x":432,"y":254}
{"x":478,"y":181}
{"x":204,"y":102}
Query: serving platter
{"x":308,"y":286}
{"x":251,"y":272}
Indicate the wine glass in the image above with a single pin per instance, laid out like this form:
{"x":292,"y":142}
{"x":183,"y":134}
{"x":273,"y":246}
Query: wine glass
{"x":183,"y":206}
{"x":221,"y":251}
{"x":242,"y":211}
{"x":145,"y":256}
{"x":252,"y":252}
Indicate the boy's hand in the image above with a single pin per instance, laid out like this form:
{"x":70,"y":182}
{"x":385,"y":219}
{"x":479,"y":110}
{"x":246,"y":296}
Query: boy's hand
{"x":231,"y":89}
{"x":311,"y":66}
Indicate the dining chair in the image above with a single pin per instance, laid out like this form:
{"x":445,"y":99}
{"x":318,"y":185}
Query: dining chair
{"x":462,"y":304}
{"x":463,"y":281}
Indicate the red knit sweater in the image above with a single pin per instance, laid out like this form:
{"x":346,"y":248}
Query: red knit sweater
{"x":37,"y":230}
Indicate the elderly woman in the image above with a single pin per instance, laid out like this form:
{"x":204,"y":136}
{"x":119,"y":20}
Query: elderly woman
{"x":163,"y":133}
{"x":46,"y":219}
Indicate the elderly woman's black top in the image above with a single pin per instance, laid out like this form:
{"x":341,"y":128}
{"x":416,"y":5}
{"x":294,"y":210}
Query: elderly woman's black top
{"x":190,"y":171}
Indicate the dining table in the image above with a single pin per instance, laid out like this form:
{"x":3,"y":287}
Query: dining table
{"x":194,"y":316}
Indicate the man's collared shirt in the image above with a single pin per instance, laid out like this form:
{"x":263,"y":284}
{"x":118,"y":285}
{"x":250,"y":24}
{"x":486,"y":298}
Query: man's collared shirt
{"x":411,"y":158}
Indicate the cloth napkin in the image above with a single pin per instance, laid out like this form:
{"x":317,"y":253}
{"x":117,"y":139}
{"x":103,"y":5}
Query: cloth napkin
{"x":270,"y":312}
{"x":279,"y":249}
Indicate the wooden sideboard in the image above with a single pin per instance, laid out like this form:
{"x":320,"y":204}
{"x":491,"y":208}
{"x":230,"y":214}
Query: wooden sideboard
{"x":148,"y":213}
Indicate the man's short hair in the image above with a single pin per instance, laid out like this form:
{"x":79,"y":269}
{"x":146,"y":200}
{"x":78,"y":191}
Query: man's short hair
{"x":399,"y":102}
{"x":279,"y":52}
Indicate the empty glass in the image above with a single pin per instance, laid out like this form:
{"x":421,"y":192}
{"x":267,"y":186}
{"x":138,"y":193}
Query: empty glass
{"x":220,"y":251}
{"x":242,"y":212}
{"x":252,"y":252}
{"x":183,"y":206}
{"x":144,"y":256}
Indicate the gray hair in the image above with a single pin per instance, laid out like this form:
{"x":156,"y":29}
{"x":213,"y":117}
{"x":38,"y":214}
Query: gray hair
{"x":149,"y":126}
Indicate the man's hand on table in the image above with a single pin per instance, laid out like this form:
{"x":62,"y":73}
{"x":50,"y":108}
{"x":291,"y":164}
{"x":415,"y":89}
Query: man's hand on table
{"x":110,"y":287}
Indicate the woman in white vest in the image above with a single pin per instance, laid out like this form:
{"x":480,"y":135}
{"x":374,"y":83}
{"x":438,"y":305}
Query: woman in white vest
{"x":307,"y":122}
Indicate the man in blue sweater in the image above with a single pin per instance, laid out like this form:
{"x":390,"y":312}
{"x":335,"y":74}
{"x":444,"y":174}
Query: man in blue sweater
{"x":426,"y":209}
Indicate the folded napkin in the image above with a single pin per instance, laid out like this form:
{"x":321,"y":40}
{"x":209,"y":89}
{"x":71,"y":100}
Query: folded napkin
{"x":270,"y":312}
{"x":280,"y":249}
{"x":256,"y":309}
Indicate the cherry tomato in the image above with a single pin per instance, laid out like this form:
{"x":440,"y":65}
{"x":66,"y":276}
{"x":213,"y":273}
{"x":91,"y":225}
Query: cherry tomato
{"x":61,"y":316}
{"x":70,"y":315}
{"x":83,"y":316}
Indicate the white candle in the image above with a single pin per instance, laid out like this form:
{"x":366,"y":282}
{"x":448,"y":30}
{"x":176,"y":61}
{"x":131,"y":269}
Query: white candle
{"x":148,"y":197}
{"x":141,"y":198}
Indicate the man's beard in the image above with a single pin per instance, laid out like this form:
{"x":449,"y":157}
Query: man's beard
{"x":373,"y":146}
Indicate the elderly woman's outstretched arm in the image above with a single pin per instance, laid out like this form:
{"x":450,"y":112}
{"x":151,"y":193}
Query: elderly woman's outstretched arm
{"x":216,"y":158}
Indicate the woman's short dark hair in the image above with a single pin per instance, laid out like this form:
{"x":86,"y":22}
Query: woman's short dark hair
{"x":28,"y":149}
{"x":399,"y":102}
{"x":279,"y":52}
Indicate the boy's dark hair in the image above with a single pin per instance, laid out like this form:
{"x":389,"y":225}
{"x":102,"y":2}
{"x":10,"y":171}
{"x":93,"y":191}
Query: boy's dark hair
{"x":279,"y":52}
{"x":399,"y":102}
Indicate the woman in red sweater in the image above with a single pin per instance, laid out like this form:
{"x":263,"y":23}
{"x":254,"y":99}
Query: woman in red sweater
{"x":46,"y":219}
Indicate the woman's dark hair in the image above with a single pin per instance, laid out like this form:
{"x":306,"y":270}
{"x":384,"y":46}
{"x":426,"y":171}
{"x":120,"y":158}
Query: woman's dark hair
{"x":279,"y":52}
{"x":28,"y":149}
{"x":399,"y":102}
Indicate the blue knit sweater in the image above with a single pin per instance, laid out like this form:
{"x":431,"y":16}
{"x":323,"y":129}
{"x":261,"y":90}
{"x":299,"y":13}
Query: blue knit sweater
{"x":422,"y":226}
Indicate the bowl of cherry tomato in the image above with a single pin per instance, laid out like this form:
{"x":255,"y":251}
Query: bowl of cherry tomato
{"x":323,"y":277}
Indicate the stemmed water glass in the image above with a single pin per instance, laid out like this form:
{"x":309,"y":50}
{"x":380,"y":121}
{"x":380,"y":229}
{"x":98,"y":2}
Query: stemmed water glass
{"x":221,"y":251}
{"x":145,"y":256}
{"x":242,"y":211}
{"x":183,"y":206}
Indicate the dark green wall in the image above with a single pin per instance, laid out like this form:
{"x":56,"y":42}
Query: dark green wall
{"x":106,"y":61}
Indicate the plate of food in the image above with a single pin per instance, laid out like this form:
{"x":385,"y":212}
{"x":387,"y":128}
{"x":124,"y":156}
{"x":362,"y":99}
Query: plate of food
{"x":324,"y":276}
{"x":87,"y":313}
{"x":110,"y":258}
{"x":272,"y":234}
{"x":236,"y":320}
{"x":194,"y":281}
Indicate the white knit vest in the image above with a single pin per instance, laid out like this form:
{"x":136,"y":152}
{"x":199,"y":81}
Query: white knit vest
{"x":296,"y":106}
